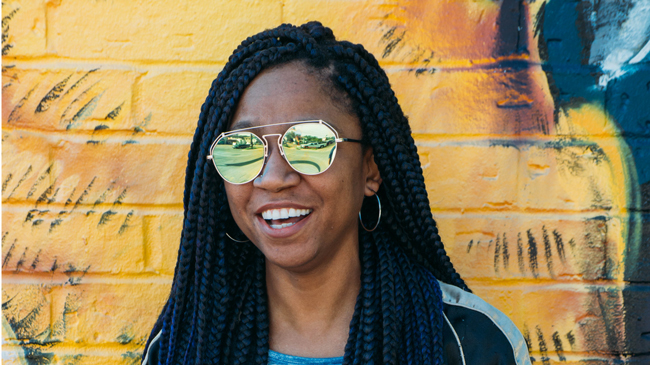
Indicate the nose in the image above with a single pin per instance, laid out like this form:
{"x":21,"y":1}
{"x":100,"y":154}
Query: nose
{"x":276,"y":175}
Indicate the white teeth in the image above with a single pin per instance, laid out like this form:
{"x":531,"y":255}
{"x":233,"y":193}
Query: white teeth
{"x":283,"y":225}
{"x":284,"y":213}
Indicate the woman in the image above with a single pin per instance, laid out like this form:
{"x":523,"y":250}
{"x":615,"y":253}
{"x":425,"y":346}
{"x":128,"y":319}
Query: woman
{"x":308,"y":236}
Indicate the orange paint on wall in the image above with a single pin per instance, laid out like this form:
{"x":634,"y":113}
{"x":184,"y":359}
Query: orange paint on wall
{"x":532,"y":201}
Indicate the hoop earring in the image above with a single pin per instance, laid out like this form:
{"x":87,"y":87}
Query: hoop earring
{"x":238,"y":241}
{"x":378,"y":217}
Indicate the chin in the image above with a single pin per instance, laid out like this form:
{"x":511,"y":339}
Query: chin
{"x":290,"y":258}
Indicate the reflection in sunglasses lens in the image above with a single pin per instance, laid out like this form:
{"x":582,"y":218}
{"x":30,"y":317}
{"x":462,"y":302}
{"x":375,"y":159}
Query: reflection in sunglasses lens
{"x":309,"y":147}
{"x":239,"y":157}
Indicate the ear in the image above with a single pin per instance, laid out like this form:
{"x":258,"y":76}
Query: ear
{"x":371,"y":172}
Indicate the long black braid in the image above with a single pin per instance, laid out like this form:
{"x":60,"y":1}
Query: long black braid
{"x":217,"y":310}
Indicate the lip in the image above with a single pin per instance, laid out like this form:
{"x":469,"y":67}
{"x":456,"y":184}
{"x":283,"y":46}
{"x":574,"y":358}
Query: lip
{"x":282,"y":232}
{"x":279,"y":205}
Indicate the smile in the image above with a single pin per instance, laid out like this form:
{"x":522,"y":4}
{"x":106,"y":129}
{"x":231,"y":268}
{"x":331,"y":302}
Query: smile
{"x":284,"y":217}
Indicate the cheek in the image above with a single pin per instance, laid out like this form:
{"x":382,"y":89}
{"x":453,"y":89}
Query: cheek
{"x":237,"y":200}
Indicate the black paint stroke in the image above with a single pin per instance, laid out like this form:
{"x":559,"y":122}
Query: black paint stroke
{"x":139,"y":128}
{"x":520,"y":254}
{"x":392,"y":41}
{"x":87,"y":109}
{"x":6,"y":47}
{"x":543,"y":349}
{"x":21,"y":261}
{"x":13,"y":116}
{"x":69,"y":200}
{"x":469,"y":245}
{"x":44,"y":197}
{"x":106,"y":217}
{"x":79,"y":82}
{"x":548,"y":253}
{"x":115,"y":112}
{"x":75,"y":101}
{"x":52,"y":95}
{"x":72,"y":280}
{"x":497,"y":253}
{"x":7,"y":18}
{"x":53,"y":197}
{"x":557,"y":343}
{"x":608,"y":313}
{"x":22,"y":179}
{"x":100,"y":199}
{"x":512,"y":25}
{"x":84,"y":194}
{"x":571,"y":338}
{"x":55,"y":264}
{"x":125,"y":224}
{"x":39,"y":180}
{"x":36,"y":260}
{"x":526,"y":334}
{"x":532,"y":253}
{"x":120,"y":198}
{"x":6,"y":182}
{"x":559,"y":245}
{"x":572,"y":244}
{"x":55,"y":223}
{"x":30,"y":215}
{"x":9,"y":254}
{"x":506,"y":254}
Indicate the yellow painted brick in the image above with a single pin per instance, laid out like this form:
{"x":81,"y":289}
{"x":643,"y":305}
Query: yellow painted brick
{"x":407,"y":32}
{"x":26,"y":309}
{"x":113,"y":171}
{"x":493,"y":102}
{"x":62,"y":99}
{"x":585,"y":315}
{"x":163,"y":235}
{"x":65,"y":354}
{"x":24,"y":24}
{"x":47,"y":239}
{"x":97,"y":313}
{"x":575,"y":175}
{"x":507,"y":247}
{"x":157,"y":30}
{"x":461,"y":175}
{"x":171,"y":102}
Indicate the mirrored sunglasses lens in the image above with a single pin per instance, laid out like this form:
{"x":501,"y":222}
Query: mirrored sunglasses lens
{"x":309,"y":147}
{"x":239,"y":157}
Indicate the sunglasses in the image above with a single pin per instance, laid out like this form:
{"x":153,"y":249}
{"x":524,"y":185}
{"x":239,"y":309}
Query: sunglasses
{"x":309,"y":147}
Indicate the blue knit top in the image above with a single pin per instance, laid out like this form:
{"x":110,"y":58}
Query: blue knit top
{"x":276,"y":358}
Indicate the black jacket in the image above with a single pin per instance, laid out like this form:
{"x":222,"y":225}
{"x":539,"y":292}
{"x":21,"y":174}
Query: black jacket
{"x":474,"y":333}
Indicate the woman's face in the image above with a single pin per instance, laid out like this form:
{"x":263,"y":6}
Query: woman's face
{"x":332,"y":199}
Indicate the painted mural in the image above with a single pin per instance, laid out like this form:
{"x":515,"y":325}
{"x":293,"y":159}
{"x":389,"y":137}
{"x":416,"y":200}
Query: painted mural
{"x":532,"y":120}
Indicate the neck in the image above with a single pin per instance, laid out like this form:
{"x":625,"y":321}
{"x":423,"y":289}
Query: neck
{"x":310,"y":311}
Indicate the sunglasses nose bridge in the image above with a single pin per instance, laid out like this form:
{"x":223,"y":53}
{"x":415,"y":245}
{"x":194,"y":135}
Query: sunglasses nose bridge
{"x":268,"y":143}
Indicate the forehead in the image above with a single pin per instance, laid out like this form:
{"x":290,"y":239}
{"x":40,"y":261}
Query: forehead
{"x":290,"y":93}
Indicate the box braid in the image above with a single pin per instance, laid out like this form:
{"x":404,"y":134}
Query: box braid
{"x":217,"y":309}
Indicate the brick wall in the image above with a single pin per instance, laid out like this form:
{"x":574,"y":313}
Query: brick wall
{"x":535,"y":158}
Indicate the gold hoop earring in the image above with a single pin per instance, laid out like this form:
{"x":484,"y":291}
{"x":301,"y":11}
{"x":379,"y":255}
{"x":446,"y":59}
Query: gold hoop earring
{"x":238,"y":241}
{"x":378,"y":217}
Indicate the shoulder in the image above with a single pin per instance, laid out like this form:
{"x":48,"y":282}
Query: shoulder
{"x":480,"y":333}
{"x":151,"y":353}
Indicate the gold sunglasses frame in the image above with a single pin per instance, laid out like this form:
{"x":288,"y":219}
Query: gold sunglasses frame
{"x":265,"y":142}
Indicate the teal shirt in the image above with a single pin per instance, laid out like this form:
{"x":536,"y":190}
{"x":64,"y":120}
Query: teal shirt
{"x":276,"y":358}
